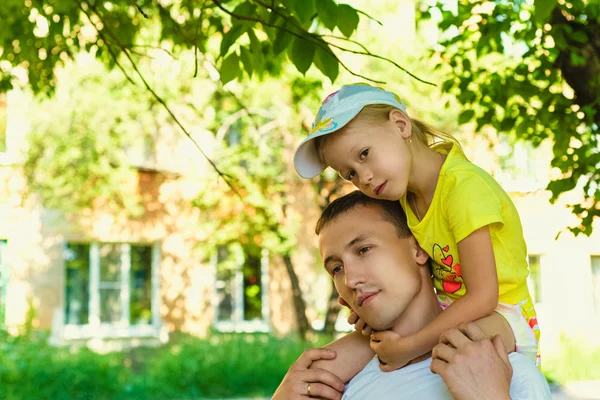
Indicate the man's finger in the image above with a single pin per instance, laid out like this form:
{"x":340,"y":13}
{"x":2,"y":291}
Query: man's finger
{"x":323,"y":376}
{"x":438,"y":366}
{"x":455,"y":338}
{"x":443,"y":352}
{"x":320,"y":391}
{"x":500,"y":349}
{"x":311,"y":355}
{"x":472,"y":331}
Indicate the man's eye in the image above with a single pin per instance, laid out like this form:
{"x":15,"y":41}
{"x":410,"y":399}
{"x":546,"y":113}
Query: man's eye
{"x":363,"y":250}
{"x":350,"y":175}
{"x":336,"y":269}
{"x":364,"y":154}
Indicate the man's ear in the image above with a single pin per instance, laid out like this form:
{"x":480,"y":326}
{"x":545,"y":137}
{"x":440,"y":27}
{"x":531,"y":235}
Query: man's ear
{"x":421,"y":256}
{"x":401,"y":122}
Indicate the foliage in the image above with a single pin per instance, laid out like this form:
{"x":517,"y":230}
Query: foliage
{"x":532,"y":69}
{"x":79,"y":150}
{"x":223,"y":365}
{"x":39,"y":35}
{"x":577,"y":361}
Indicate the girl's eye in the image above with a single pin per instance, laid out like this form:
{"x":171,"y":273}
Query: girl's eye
{"x":364,"y":154}
{"x":350,"y":175}
{"x":336,"y":269}
{"x":363,"y":250}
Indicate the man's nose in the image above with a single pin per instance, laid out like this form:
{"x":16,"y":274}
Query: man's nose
{"x":355,"y":277}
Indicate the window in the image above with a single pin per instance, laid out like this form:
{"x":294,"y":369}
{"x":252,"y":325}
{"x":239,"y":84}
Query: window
{"x":111,"y":285}
{"x":534,"y":280}
{"x":596,"y":283}
{"x":3,"y":123}
{"x":241,"y":289}
{"x":3,"y":281}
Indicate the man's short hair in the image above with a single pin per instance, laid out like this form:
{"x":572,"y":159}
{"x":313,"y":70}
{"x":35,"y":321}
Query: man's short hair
{"x":392,"y":211}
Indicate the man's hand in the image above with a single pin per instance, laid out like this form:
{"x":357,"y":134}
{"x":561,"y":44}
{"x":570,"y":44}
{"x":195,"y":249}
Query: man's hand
{"x":301,"y":382}
{"x":392,"y":350}
{"x":359,"y":325}
{"x":471,"y":365}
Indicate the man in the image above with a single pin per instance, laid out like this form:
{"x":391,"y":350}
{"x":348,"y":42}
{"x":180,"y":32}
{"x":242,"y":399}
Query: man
{"x":382,"y":273}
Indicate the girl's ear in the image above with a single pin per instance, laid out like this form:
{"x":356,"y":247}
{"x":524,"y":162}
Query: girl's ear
{"x":401,"y":122}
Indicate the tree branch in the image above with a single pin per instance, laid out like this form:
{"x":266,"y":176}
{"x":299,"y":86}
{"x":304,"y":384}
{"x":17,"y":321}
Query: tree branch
{"x":156,"y":96}
{"x":139,"y":8}
{"x":320,"y":44}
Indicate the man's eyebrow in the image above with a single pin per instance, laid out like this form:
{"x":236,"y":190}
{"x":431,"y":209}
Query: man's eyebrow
{"x":358,"y":239}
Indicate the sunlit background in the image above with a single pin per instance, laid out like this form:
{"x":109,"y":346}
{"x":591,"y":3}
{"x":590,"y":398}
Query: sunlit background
{"x":130,"y":269}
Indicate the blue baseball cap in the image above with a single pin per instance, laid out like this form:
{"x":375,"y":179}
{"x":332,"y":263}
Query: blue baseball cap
{"x":337,"y":110}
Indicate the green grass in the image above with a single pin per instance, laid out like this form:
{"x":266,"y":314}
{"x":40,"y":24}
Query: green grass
{"x":224,"y":365}
{"x":577,"y":361}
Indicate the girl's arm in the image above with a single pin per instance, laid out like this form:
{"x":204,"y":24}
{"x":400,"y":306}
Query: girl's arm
{"x":478,"y":269}
{"x":353,"y":354}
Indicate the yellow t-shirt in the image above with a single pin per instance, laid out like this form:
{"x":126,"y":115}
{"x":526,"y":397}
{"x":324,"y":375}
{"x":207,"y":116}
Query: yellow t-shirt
{"x":467,"y":198}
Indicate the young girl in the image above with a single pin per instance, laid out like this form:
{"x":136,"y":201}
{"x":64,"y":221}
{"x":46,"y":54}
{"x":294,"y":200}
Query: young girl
{"x":457,"y":212}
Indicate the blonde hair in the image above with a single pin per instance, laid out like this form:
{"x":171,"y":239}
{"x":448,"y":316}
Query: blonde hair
{"x":378,"y":113}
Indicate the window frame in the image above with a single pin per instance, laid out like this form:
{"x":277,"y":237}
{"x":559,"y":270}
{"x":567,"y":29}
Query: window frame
{"x":4,"y":278}
{"x":95,"y":329}
{"x":595,"y":289}
{"x":536,"y":294}
{"x":238,"y":324}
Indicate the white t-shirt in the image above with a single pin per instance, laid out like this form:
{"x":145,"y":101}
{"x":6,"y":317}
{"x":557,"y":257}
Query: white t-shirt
{"x":416,"y":381}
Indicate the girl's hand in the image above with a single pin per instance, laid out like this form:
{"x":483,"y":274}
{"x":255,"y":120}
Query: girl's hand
{"x":359,"y":325}
{"x":392,"y":349}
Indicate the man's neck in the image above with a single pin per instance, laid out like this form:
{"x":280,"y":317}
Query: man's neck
{"x":423,"y":309}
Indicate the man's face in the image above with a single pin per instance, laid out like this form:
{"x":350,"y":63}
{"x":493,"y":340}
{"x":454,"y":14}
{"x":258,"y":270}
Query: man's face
{"x":374,"y":270}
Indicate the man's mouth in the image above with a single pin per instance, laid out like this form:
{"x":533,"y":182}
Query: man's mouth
{"x":366,"y":298}
{"x":380,"y":188}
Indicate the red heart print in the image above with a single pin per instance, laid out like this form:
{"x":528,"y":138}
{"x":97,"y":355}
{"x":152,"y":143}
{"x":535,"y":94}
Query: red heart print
{"x":448,"y":260}
{"x":446,"y":248}
{"x":450,"y":287}
{"x":457,"y":269}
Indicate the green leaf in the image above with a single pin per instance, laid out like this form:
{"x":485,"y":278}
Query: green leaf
{"x":256,"y":50}
{"x":245,"y":9}
{"x":246,"y":58}
{"x":304,"y":9}
{"x":328,"y":13}
{"x":301,"y":54}
{"x":577,"y":59}
{"x":326,"y":62}
{"x":466,"y":116}
{"x":230,"y":68}
{"x":281,"y":42}
{"x":447,"y":85}
{"x":580,"y":37}
{"x":543,"y":9}
{"x":230,"y":37}
{"x":348,"y":19}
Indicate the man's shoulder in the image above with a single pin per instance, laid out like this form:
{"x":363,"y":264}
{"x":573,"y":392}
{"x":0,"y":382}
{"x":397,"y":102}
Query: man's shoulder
{"x":412,"y":381}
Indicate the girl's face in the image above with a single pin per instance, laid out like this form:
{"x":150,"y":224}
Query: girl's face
{"x":374,"y":157}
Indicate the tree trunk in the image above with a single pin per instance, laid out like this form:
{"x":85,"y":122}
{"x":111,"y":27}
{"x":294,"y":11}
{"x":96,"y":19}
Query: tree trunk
{"x":299,"y":304}
{"x":333,"y":309}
